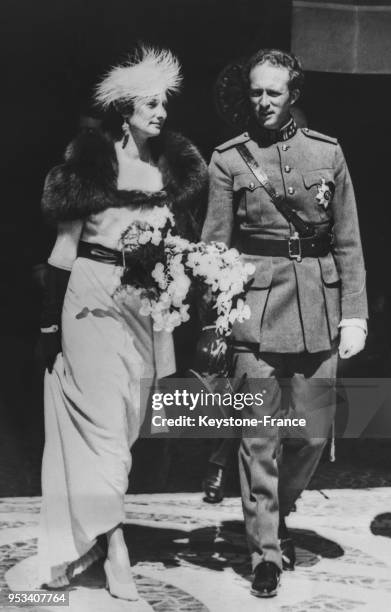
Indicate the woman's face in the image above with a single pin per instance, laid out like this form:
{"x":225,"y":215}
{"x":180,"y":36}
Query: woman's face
{"x":148,"y":116}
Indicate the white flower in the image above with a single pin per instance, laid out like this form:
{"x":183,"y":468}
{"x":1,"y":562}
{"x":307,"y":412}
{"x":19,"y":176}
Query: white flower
{"x":243,"y":311}
{"x":223,"y":301}
{"x":237,"y":287}
{"x":233,"y":315}
{"x":224,"y":284}
{"x":145,"y":237}
{"x":158,"y":323}
{"x":208,"y":266}
{"x":156,"y":237}
{"x":184,"y":312}
{"x":222,"y":324}
{"x":146,"y":307}
{"x":159,"y":275}
{"x":158,"y":217}
{"x":193,"y":259}
{"x":164,"y":301}
{"x":178,"y":244}
{"x":176,"y":266}
{"x":249,"y":269}
{"x":175,"y":319}
{"x":230,"y":256}
{"x":178,"y":290}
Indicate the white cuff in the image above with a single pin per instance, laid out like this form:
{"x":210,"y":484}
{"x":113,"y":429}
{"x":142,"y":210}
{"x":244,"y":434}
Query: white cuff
{"x":361,"y":323}
{"x":50,"y":330}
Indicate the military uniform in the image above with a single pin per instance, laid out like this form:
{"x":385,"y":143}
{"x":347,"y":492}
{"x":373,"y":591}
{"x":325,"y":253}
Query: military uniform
{"x":296,"y":304}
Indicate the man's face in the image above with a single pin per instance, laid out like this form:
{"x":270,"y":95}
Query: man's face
{"x":270,"y":96}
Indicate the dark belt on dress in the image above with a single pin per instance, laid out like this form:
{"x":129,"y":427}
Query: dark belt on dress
{"x":292,"y":248}
{"x":97,"y":252}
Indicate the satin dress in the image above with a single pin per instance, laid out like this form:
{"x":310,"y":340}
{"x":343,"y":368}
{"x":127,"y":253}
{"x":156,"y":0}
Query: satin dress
{"x":93,"y":404}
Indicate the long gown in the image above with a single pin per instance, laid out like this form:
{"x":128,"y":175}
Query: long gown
{"x":93,"y":409}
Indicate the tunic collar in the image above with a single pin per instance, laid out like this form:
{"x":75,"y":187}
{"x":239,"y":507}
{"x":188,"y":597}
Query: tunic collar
{"x":264,"y":137}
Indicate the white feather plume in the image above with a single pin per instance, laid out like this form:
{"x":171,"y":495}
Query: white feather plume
{"x":151,"y":72}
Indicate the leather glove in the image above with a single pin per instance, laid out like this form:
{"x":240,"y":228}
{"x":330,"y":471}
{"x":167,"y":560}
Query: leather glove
{"x":52,"y":302}
{"x":51,"y":347}
{"x":352,"y":341}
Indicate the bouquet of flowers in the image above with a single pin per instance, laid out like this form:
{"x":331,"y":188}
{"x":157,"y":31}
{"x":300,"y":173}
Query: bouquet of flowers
{"x":164,"y":270}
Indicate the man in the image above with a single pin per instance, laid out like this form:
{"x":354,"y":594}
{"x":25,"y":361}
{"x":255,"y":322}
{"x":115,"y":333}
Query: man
{"x":283,"y":196}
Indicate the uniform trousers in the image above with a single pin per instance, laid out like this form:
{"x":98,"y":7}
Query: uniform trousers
{"x":223,"y":451}
{"x":276,"y":464}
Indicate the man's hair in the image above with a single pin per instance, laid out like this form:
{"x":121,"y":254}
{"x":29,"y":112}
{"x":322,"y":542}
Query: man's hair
{"x":280,"y":59}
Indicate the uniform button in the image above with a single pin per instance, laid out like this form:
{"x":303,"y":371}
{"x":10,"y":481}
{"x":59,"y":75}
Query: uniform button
{"x":252,"y":185}
{"x":285,"y":147}
{"x":287,"y":168}
{"x":291,"y":191}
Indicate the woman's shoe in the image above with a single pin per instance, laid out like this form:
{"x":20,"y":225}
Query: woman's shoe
{"x":122,"y":590}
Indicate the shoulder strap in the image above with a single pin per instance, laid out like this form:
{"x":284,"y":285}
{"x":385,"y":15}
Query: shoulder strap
{"x":302,"y":227}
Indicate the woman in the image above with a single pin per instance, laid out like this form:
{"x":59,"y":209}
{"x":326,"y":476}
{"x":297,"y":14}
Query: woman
{"x":92,"y":392}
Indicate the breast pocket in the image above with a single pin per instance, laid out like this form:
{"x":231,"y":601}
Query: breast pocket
{"x":320,"y":186}
{"x":249,"y":192}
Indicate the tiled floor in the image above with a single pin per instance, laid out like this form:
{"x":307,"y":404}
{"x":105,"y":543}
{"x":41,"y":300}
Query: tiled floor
{"x":189,"y":556}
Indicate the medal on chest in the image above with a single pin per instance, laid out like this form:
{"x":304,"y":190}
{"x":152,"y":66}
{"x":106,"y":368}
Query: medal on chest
{"x":324,"y":194}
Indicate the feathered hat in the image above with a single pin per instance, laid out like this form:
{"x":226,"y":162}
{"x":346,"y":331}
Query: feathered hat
{"x":150,"y":72}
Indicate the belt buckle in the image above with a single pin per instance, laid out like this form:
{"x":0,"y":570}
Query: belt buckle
{"x":294,"y":247}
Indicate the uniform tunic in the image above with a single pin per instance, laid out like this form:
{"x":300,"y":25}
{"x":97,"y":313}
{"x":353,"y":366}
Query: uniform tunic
{"x":295,"y":306}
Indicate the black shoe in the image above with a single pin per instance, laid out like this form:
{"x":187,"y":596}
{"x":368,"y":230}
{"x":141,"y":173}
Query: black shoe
{"x":288,"y":554}
{"x":213,"y":484}
{"x":266,"y":579}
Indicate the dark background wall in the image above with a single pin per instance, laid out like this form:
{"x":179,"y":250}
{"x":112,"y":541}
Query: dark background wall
{"x":53,"y":51}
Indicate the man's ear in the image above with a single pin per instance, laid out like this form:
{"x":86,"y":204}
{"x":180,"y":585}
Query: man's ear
{"x":294,"y":96}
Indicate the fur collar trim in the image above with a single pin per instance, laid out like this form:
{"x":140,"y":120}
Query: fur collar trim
{"x":86,"y":183}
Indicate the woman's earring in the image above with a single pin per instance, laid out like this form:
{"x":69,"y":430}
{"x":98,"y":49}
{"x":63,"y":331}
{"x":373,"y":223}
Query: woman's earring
{"x":126,"y":133}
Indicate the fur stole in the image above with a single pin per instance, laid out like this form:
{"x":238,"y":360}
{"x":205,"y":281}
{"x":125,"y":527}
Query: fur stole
{"x":86,"y":183}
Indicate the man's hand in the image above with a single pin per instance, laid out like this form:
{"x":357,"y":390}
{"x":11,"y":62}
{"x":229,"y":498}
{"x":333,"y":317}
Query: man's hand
{"x":50,"y":346}
{"x":352,"y":341}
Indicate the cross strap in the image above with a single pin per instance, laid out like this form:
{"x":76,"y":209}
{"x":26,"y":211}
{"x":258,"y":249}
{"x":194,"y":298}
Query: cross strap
{"x":303,"y":228}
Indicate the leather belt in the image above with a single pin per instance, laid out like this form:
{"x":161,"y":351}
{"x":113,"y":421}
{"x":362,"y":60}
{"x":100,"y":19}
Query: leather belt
{"x":292,"y":248}
{"x":97,"y":252}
